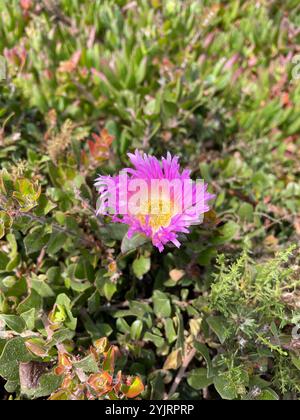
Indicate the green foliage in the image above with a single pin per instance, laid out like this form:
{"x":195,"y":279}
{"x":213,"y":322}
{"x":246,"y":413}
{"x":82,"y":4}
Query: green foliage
{"x":255,"y":327}
{"x":87,"y":82}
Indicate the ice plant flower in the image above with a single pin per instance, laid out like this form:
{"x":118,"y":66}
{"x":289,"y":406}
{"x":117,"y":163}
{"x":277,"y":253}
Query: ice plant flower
{"x":154,"y":198}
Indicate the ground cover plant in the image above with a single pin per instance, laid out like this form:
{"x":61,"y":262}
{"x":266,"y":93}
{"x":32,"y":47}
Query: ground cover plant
{"x":86,"y":312}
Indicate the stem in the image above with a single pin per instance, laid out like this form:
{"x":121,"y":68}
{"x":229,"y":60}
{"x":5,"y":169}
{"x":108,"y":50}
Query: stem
{"x":125,"y":305}
{"x":53,"y":9}
{"x":186,"y":361}
{"x":55,"y":226}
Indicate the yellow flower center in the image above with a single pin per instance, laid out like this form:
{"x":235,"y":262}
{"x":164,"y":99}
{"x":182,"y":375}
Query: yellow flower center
{"x":160,"y":213}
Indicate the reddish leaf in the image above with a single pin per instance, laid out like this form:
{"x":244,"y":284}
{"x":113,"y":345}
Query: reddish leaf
{"x":64,"y":364}
{"x":26,"y":4}
{"x":99,"y":148}
{"x":102,"y":383}
{"x":71,"y":65}
{"x":134,"y":389}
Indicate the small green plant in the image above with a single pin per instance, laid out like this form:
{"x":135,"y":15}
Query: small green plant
{"x":212,"y":82}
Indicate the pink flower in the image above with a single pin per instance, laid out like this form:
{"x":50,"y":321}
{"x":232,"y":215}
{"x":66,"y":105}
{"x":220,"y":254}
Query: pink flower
{"x":155,"y":198}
